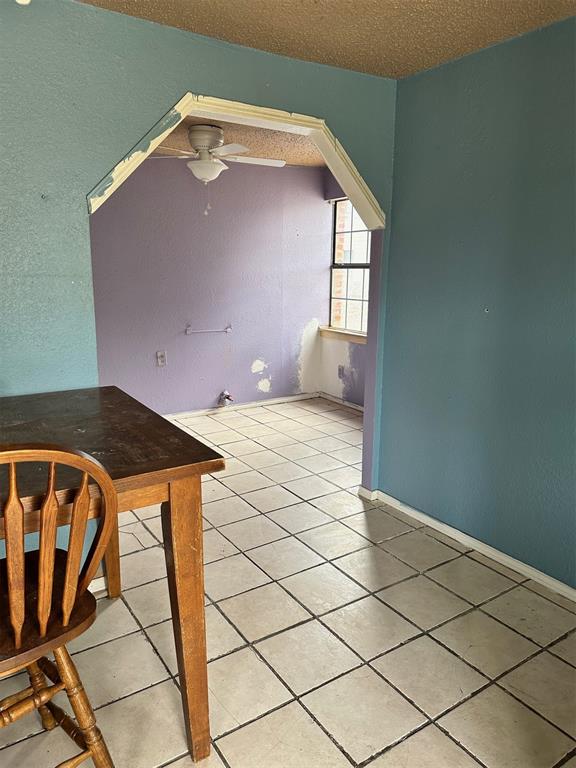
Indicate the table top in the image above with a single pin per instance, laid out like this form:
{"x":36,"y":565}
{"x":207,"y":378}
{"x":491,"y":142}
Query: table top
{"x":129,"y":439}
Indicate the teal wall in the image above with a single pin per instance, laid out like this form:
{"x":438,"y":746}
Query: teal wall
{"x":79,"y":88}
{"x":473,"y":410}
{"x":478,"y":370}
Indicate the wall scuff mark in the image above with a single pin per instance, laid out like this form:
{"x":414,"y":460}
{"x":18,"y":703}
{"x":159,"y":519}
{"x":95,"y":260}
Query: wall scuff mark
{"x":265,"y":384}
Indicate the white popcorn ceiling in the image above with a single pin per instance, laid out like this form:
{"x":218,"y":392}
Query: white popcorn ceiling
{"x":393,"y":38}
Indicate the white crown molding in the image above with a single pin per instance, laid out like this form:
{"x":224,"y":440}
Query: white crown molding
{"x":469,"y":541}
{"x":334,"y":154}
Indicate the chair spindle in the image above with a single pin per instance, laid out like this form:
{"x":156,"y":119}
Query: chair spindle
{"x":14,"y":536}
{"x":80,"y":511}
{"x":48,"y":520}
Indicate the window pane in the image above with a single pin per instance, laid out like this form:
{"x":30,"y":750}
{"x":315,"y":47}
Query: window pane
{"x":354,"y":316}
{"x":360,"y":247}
{"x":339,"y":283}
{"x":342,"y":247}
{"x":343,"y":216}
{"x":365,"y":317}
{"x":355,"y":283}
{"x":349,"y":282}
{"x":357,"y":222}
{"x":366,"y":284}
{"x":338,"y":313}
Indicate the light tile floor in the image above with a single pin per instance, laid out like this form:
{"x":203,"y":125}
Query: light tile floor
{"x":340,"y":632}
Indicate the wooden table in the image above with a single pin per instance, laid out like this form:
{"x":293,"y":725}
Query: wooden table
{"x":150,"y":461}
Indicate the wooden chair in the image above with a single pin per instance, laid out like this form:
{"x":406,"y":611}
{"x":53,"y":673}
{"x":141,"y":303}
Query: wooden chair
{"x":44,"y":597}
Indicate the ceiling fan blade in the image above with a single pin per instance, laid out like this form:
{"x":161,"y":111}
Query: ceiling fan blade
{"x":174,"y":152}
{"x":170,"y":157}
{"x":229,"y":149}
{"x":256,"y":161}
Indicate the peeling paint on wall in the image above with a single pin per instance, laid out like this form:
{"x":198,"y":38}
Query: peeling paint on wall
{"x":353,"y":381}
{"x":258,"y":366}
{"x":342,"y":367}
{"x":137,"y":155}
{"x":334,"y":356}
{"x":265,"y":384}
{"x":309,"y":363}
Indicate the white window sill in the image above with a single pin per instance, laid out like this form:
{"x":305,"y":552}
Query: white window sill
{"x":352,"y":337}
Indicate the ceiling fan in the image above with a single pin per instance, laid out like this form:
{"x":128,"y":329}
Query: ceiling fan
{"x":207,"y":147}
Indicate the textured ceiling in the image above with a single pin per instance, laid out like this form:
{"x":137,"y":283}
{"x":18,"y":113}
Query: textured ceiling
{"x":274,"y":145}
{"x":393,"y":38}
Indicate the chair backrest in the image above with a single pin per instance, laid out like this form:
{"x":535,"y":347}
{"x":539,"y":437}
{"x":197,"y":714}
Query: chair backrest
{"x":77,"y":576}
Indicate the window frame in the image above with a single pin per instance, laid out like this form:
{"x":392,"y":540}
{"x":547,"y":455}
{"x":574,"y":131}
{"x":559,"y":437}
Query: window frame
{"x":358,"y":265}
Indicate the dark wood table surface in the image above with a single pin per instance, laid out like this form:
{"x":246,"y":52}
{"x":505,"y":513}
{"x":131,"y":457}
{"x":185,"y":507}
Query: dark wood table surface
{"x":151,"y":461}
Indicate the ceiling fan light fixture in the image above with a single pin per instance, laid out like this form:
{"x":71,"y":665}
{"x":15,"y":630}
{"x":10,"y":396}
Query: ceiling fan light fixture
{"x":207,"y":169}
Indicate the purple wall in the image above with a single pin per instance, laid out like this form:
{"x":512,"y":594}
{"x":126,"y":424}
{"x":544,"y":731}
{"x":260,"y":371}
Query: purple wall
{"x":260,"y":261}
{"x":332,"y":190}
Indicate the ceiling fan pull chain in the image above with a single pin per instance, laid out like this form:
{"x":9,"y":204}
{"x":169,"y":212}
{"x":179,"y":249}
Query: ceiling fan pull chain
{"x":208,"y":205}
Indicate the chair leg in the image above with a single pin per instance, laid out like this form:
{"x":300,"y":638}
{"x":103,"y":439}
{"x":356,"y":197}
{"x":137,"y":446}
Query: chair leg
{"x":82,"y":709}
{"x":38,"y":681}
{"x":111,"y":563}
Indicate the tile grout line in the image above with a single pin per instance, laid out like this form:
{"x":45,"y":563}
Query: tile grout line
{"x":318,"y":617}
{"x":369,"y":593}
{"x":368,"y":663}
{"x":374,"y":593}
{"x":422,"y":633}
{"x":334,"y":562}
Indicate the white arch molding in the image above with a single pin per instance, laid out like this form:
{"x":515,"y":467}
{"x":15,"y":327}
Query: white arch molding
{"x":210,"y":108}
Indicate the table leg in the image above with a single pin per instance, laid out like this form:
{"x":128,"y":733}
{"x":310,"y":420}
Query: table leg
{"x":112,"y":564}
{"x":183,"y":547}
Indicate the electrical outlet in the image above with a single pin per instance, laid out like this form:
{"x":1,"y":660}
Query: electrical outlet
{"x":341,"y":371}
{"x":161,"y":360}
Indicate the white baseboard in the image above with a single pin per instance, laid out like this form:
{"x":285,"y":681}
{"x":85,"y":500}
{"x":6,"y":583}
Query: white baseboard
{"x":341,"y":401}
{"x":369,"y":495}
{"x":470,"y":541}
{"x":240,"y":406}
{"x":260,"y":403}
{"x":98,"y":586}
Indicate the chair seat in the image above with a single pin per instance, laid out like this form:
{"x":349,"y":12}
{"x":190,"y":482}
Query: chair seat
{"x":33,"y":645}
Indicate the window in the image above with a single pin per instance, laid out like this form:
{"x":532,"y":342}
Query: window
{"x":350,"y":269}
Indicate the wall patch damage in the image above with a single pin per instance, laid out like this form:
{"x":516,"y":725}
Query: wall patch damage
{"x":258,"y":366}
{"x":264,"y":384}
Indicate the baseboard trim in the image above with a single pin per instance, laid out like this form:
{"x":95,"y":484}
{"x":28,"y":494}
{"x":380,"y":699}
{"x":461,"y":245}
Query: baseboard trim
{"x":98,"y":586}
{"x":260,"y":403}
{"x":240,"y":406}
{"x":469,"y":541}
{"x":341,"y":401}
